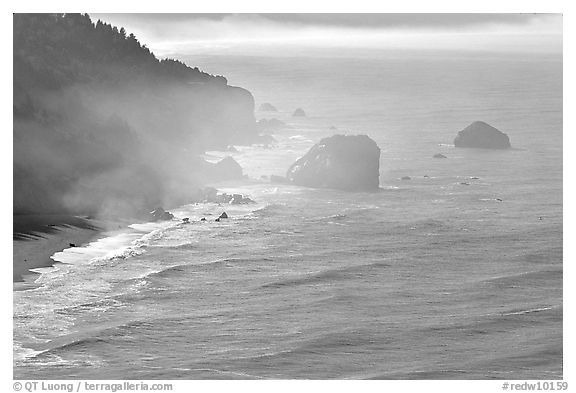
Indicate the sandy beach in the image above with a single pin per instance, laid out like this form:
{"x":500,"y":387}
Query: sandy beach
{"x":37,"y":237}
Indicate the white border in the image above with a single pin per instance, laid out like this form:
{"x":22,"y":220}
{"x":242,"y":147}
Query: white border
{"x":490,"y":6}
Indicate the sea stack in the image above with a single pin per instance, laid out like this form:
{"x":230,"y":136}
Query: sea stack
{"x":299,"y":113}
{"x":482,"y":135}
{"x":267,"y":107}
{"x":346,"y":162}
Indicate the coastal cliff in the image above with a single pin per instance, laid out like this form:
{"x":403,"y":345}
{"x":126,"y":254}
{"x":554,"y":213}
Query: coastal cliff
{"x":102,"y":125}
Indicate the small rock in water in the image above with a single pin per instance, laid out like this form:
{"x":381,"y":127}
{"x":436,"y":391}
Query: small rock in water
{"x":499,"y":200}
{"x":223,"y":215}
{"x":239,"y":199}
{"x":160,"y":214}
{"x":439,"y":155}
{"x":203,"y":219}
{"x":72,"y":244}
{"x":464,"y":183}
{"x":236,"y":199}
{"x":405,"y":178}
{"x":299,"y":113}
{"x":268,"y":107}
{"x":186,"y":220}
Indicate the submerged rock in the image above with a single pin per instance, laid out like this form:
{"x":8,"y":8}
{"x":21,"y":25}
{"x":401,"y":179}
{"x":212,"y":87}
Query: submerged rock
{"x":267,"y":107}
{"x":223,"y":198}
{"x":346,"y":162}
{"x":299,"y":113}
{"x":439,"y":155}
{"x":482,"y":135}
{"x":405,"y":178}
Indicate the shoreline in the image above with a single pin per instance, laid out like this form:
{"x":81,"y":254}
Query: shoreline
{"x":36,"y":237}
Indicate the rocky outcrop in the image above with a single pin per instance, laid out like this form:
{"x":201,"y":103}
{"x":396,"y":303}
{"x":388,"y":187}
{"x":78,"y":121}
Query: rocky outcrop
{"x":222,"y":216}
{"x":347,"y":162}
{"x":267,"y":107}
{"x":227,"y":169}
{"x":270,"y":125}
{"x":299,"y":113}
{"x":482,"y":135}
{"x":160,"y":214}
{"x":211,"y":195}
{"x":239,"y":199}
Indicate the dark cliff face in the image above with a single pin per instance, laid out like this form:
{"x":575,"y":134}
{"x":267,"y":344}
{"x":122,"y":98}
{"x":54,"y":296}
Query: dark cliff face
{"x":482,"y":135}
{"x":343,"y":162}
{"x":101,"y":124}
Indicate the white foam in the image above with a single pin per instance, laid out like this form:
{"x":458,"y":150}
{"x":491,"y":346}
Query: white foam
{"x":22,"y":353}
{"x":531,"y":310}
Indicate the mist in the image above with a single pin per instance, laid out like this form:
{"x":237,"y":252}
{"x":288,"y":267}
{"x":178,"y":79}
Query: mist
{"x":289,"y":34}
{"x":118,"y":137}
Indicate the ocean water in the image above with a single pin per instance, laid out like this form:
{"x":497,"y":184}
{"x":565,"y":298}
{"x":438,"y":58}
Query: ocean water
{"x":426,"y":279}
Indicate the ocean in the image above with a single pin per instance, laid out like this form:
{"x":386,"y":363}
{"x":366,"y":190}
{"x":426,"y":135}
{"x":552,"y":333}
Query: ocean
{"x":453,"y":274}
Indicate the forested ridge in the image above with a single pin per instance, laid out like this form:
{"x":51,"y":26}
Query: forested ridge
{"x":102,"y":125}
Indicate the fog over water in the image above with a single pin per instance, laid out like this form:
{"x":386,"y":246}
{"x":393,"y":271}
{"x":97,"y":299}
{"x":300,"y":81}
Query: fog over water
{"x":313,"y":34}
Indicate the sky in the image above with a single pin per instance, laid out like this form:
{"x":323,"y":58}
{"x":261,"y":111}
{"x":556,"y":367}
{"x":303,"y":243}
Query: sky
{"x":169,"y":34}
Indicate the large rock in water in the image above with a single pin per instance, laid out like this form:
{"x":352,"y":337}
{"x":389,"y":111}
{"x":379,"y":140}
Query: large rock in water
{"x":346,"y":162}
{"x":482,"y":135}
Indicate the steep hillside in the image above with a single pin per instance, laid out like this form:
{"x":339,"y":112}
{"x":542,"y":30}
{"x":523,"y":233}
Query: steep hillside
{"x":102,"y":125}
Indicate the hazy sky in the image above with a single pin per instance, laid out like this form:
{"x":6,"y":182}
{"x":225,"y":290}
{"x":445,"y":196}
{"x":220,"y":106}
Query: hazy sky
{"x":168,"y":34}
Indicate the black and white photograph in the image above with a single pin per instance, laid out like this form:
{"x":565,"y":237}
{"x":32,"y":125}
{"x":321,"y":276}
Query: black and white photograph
{"x":287,"y":196}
